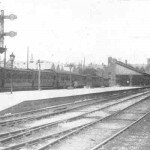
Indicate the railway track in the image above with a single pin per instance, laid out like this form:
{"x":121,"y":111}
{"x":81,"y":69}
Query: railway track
{"x":33,"y":129}
{"x":13,"y":123}
{"x":73,"y":142}
{"x":64,"y":106}
{"x":103,"y":129}
{"x":98,"y":146}
{"x":134,"y":122}
{"x":10,"y":140}
{"x":135,"y":137}
{"x":51,"y":111}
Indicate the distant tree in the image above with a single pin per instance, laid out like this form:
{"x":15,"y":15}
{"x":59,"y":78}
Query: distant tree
{"x":90,"y":71}
{"x":58,"y":68}
{"x":70,"y":66}
{"x":62,"y":68}
{"x":78,"y":68}
{"x":74,"y":69}
{"x":142,"y":69}
{"x":53,"y":66}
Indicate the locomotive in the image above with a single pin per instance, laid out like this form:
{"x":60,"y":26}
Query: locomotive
{"x":23,"y":79}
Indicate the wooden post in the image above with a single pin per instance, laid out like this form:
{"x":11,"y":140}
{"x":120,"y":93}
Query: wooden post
{"x":39,"y":76}
{"x":131,"y":78}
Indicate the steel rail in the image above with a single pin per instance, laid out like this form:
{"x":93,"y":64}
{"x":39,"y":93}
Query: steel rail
{"x":57,"y":106}
{"x":22,"y":130}
{"x":62,"y":110}
{"x":28,"y":131}
{"x":72,"y":132}
{"x":40,"y":110}
{"x":52,"y":107}
{"x":25,"y":119}
{"x":35,"y":141}
{"x":86,"y":126}
{"x":119,"y":132}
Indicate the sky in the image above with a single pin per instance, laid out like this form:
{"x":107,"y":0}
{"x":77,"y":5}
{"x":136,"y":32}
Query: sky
{"x":69,"y":30}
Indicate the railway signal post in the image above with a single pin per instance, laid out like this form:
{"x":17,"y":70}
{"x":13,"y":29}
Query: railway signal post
{"x":3,"y":34}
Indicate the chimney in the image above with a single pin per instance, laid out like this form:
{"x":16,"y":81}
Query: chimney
{"x":126,"y":62}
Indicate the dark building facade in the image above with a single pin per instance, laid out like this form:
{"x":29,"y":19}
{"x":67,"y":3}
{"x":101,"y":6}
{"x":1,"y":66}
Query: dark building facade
{"x":123,"y":74}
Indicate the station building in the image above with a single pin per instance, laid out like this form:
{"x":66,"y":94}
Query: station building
{"x":123,"y":74}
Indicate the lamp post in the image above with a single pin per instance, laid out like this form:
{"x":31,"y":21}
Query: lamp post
{"x":12,"y":58}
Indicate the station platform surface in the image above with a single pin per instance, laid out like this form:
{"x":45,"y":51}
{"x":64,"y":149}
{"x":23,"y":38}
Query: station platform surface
{"x":7,"y":99}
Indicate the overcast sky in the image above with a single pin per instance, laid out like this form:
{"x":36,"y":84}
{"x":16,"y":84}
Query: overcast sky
{"x":69,"y":30}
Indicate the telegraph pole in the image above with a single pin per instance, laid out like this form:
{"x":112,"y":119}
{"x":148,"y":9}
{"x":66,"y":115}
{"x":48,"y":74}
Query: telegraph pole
{"x":27,"y":57}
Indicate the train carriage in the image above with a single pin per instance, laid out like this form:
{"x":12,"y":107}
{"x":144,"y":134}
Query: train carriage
{"x":47,"y":79}
{"x":28,"y":79}
{"x":21,"y":78}
{"x":62,"y":80}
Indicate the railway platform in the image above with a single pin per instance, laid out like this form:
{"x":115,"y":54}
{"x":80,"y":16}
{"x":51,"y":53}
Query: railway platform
{"x":8,"y":100}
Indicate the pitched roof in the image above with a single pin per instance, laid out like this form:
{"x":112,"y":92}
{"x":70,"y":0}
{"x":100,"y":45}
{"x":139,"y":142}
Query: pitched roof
{"x":131,"y":67}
